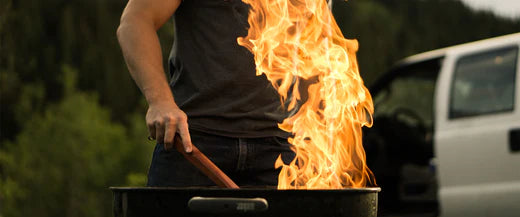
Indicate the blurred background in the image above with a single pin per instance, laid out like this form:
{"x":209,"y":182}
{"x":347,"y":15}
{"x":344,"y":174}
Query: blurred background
{"x":72,"y":120}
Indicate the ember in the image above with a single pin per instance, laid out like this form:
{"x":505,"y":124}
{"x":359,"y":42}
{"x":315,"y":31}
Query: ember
{"x":299,"y":39}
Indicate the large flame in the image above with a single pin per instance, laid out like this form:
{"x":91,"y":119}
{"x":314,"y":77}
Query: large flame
{"x":299,"y":39}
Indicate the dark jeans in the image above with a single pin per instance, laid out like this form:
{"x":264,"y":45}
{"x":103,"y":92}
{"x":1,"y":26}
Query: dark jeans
{"x":247,"y":161}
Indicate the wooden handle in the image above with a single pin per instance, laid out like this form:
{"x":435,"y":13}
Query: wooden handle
{"x":205,"y":165}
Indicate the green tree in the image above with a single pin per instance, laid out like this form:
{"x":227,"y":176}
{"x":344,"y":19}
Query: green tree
{"x":37,"y":38}
{"x":64,"y":160}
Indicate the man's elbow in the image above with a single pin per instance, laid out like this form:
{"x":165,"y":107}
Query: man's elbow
{"x":125,"y":25}
{"x":120,"y":31}
{"x":133,"y":25}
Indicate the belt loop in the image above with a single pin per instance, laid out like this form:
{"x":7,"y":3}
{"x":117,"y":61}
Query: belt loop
{"x":242,"y":154}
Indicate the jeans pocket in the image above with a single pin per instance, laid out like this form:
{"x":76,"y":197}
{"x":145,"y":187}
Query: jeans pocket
{"x":286,"y":149}
{"x":281,"y":141}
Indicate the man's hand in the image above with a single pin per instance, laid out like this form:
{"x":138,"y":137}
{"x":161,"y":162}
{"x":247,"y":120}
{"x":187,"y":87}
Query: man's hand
{"x":164,"y":120}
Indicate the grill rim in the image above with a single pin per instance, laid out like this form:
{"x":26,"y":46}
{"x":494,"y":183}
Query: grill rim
{"x":216,"y":189}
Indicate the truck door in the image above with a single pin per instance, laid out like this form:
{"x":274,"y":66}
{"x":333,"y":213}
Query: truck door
{"x":477,"y":136}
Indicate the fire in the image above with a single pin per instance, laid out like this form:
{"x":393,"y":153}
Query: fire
{"x":299,"y":39}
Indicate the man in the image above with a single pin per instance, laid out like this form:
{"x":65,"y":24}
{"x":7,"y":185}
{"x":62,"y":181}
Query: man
{"x":214,"y":100}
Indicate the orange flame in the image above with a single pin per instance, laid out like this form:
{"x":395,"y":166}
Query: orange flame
{"x":299,"y":39}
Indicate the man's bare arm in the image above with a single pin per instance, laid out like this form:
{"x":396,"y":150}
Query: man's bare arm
{"x":137,"y":35}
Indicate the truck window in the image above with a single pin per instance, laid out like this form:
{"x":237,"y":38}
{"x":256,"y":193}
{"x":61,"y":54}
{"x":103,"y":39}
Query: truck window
{"x":403,"y":117}
{"x":484,"y":83}
{"x":409,"y":95}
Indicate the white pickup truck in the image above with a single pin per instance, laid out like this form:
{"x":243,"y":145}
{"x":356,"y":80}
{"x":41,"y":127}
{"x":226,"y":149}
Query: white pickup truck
{"x":446,"y":135}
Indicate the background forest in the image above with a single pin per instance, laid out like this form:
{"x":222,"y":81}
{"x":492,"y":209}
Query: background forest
{"x":72,"y":120}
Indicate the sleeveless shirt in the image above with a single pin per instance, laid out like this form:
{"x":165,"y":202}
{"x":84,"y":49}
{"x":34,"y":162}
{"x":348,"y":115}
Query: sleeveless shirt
{"x":213,"y":78}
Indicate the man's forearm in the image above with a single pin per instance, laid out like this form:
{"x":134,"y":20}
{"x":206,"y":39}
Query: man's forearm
{"x":142,"y":53}
{"x":137,"y":35}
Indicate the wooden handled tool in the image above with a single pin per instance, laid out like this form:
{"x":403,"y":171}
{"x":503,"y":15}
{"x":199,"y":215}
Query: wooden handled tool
{"x":205,"y":165}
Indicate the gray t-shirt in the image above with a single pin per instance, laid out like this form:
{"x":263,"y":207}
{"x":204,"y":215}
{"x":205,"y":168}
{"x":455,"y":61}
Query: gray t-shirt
{"x":213,"y":78}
